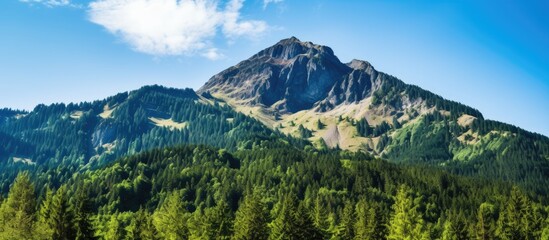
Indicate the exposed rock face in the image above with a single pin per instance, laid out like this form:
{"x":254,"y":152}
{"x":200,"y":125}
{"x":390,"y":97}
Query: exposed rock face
{"x":292,"y":76}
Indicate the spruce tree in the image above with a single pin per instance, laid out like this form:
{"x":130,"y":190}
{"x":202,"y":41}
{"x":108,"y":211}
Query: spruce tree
{"x":406,"y":222}
{"x":293,"y":221}
{"x":170,"y":218}
{"x":448,"y":233}
{"x":62,"y":216}
{"x":320,"y":214}
{"x":514,"y":220}
{"x":346,"y":227}
{"x":485,"y":228}
{"x":306,"y":228}
{"x":43,"y":229}
{"x":115,"y":231}
{"x":364,"y":227}
{"x":218,"y":222}
{"x":83,"y":212}
{"x":284,"y":225}
{"x":319,"y":124}
{"x":252,"y":219}
{"x":142,"y":227}
{"x":18,"y":211}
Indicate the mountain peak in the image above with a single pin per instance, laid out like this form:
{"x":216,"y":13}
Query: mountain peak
{"x":292,"y":47}
{"x":289,"y":76}
{"x":290,"y":39}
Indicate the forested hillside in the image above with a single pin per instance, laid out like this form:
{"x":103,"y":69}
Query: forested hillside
{"x":69,"y":138}
{"x":199,"y":192}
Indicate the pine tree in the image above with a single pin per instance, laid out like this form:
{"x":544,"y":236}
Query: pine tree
{"x":252,"y":219}
{"x":366,"y":225}
{"x":170,"y":218}
{"x":83,"y":212}
{"x":514,"y":220}
{"x":320,"y":215}
{"x":485,"y":228}
{"x":319,"y":124}
{"x":448,"y":232}
{"x":18,"y":211}
{"x":284,"y":225}
{"x":293,"y":221}
{"x":406,"y":222}
{"x":456,"y":227}
{"x":62,"y":216}
{"x":345,"y":229}
{"x":43,"y":229}
{"x":306,"y":228}
{"x":141,"y":227}
{"x":115,"y":231}
{"x":218,"y":222}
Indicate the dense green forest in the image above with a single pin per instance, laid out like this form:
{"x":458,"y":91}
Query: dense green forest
{"x":162,"y":163}
{"x":268,"y":192}
{"x":65,"y":139}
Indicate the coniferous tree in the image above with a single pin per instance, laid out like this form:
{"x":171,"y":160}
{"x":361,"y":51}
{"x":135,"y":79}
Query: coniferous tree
{"x":170,"y":218}
{"x":485,"y":228}
{"x":363,"y":128}
{"x":406,"y":222}
{"x":62,"y":216}
{"x":82,"y":216}
{"x":396,"y":123}
{"x":43,"y":228}
{"x":285,"y":225}
{"x":456,"y":226}
{"x":448,"y":232}
{"x":115,"y":230}
{"x":306,"y":228}
{"x":252,"y":219}
{"x":141,"y":227}
{"x":218,"y":222}
{"x":319,"y":124}
{"x":513,"y":222}
{"x":365,"y":220}
{"x":18,"y":211}
{"x":346,"y":227}
{"x":320,"y":215}
{"x":293,"y":221}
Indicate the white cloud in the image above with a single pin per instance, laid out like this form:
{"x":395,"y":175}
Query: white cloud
{"x":267,"y":2}
{"x":233,"y":28}
{"x":173,"y":27}
{"x":49,"y":3}
{"x":213,"y":54}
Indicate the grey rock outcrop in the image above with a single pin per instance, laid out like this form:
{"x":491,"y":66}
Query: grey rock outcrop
{"x":292,"y":76}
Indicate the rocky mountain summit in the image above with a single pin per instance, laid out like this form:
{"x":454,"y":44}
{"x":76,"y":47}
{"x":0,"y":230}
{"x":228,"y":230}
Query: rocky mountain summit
{"x":292,"y":76}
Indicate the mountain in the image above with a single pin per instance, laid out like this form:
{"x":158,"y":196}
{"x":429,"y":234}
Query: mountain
{"x":302,"y":89}
{"x":299,"y":83}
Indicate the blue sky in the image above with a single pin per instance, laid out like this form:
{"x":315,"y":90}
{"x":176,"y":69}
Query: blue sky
{"x":491,"y":55}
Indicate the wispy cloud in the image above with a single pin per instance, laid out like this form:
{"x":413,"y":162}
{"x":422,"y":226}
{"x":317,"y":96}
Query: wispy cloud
{"x":49,"y":3}
{"x":267,"y":2}
{"x":174,"y":27}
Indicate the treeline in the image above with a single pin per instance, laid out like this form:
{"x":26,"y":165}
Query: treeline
{"x":198,"y":192}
